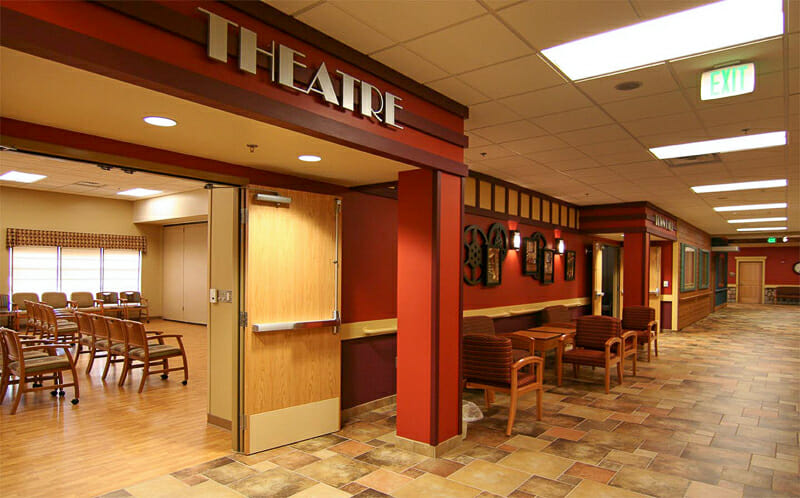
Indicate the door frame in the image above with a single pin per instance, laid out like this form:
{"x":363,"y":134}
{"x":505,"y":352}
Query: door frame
{"x":752,"y":259}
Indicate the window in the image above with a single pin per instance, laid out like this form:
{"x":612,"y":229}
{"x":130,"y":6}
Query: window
{"x":68,"y":269}
{"x":80,"y":270}
{"x":688,"y":268}
{"x":121,"y":270}
{"x":34,"y":269}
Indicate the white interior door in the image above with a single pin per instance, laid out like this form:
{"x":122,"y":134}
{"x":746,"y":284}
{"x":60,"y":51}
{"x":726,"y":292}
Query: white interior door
{"x":195,"y":273}
{"x":173,"y":273}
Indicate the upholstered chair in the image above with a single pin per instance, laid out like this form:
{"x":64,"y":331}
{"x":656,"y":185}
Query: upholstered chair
{"x":135,"y":306}
{"x":139,"y":349}
{"x":483,"y":325}
{"x":85,"y":302}
{"x":598,"y":343}
{"x":557,"y":316}
{"x":58,"y":300}
{"x":642,"y":320}
{"x":111,"y":304}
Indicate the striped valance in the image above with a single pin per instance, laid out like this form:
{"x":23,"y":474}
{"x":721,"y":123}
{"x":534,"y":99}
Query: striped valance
{"x":29,"y":237}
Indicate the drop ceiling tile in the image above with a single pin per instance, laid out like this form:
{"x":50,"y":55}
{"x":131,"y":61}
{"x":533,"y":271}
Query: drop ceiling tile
{"x":537,"y":144}
{"x":598,"y":134}
{"x":470,"y":45}
{"x":616,"y":146}
{"x":767,"y":56}
{"x":664,"y":125}
{"x":777,"y":123}
{"x":680,"y":137}
{"x":651,"y":9}
{"x":547,"y":101}
{"x":632,"y":156}
{"x":743,"y":114}
{"x":291,"y":6}
{"x":650,"y":106}
{"x":517,"y":165}
{"x":546,"y":23}
{"x":594,"y":175}
{"x":513,"y":77}
{"x":458,"y":91}
{"x":487,"y":152}
{"x":343,"y":27}
{"x":488,"y":114}
{"x":655,"y":79}
{"x":572,"y":164}
{"x":500,"y":4}
{"x":508,"y":132}
{"x":475,"y":140}
{"x":643,"y":170}
{"x":576,"y":119}
{"x":408,"y":63}
{"x":402,"y":20}
{"x":557,"y":155}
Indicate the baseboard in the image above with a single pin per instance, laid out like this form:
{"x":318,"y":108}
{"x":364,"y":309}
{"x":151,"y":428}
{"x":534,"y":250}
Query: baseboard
{"x":429,"y":450}
{"x":219,"y":422}
{"x":354,"y":411}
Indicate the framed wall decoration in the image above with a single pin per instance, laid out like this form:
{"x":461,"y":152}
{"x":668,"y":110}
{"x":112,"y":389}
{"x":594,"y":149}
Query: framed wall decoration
{"x":530,"y":257}
{"x":569,"y":265}
{"x":548,"y":266}
{"x":474,"y":241}
{"x":492,"y":266}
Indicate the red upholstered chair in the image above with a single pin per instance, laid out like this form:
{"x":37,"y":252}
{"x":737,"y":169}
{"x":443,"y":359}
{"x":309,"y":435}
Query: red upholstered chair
{"x":483,"y":325}
{"x":488,"y":364}
{"x":598,"y":343}
{"x":557,"y":316}
{"x":642,"y":320}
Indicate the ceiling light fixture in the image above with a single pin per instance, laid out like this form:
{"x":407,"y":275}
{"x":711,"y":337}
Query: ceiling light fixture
{"x":751,"y":207}
{"x":744,"y":142}
{"x":159,"y":121}
{"x":759,"y":220}
{"x":139,"y":192}
{"x":17,"y":176}
{"x":308,"y":158}
{"x":690,"y":32}
{"x":760,"y":229}
{"x":727,"y":187}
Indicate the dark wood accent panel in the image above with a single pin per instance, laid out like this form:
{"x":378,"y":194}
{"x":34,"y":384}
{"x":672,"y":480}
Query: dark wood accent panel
{"x":694,"y":307}
{"x":25,"y":33}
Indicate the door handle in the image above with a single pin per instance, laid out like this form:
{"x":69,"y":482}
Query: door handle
{"x":315,"y":324}
{"x":600,"y":293}
{"x":654,"y":292}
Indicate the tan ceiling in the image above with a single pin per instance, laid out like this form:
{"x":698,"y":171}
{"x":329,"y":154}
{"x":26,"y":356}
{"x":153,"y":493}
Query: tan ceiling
{"x":48,"y":93}
{"x":72,"y":177}
{"x":584,"y":142}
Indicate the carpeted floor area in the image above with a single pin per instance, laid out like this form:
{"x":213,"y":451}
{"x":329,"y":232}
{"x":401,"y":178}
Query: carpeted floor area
{"x":715,"y":415}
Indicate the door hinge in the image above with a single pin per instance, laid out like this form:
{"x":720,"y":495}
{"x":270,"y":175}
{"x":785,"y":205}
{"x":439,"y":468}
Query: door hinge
{"x":243,"y":215}
{"x":243,"y":319}
{"x":338,"y":205}
{"x":242,"y":422}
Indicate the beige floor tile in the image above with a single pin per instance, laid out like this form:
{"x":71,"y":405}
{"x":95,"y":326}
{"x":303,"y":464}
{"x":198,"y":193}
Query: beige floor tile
{"x":263,"y":466}
{"x":540,"y":464}
{"x":210,"y":489}
{"x":703,"y":490}
{"x":163,"y":486}
{"x":592,"y":489}
{"x":789,"y":466}
{"x":433,"y":485}
{"x":384,"y":480}
{"x":489,"y":476}
{"x":527,"y":442}
{"x":321,"y":491}
{"x":586,"y":412}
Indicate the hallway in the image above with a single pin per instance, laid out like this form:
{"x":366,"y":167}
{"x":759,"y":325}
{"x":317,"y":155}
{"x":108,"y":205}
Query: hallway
{"x":715,"y":415}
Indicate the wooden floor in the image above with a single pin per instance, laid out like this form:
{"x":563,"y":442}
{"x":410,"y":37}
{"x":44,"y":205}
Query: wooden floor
{"x":115,"y":436}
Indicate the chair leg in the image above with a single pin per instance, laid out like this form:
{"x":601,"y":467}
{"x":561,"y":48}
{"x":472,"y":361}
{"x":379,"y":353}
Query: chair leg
{"x":92,"y":352}
{"x":608,"y":377}
{"x":512,"y":411}
{"x":488,"y":398}
{"x":620,"y":370}
{"x":185,"y":368}
{"x":634,"y":365}
{"x":648,"y":349}
{"x":126,"y":367}
{"x":655,"y":346}
{"x":575,"y":370}
{"x":109,"y":358}
{"x":145,"y":374}
{"x":4,"y":382}
{"x":18,"y":397}
{"x":75,"y":387}
{"x":539,"y":393}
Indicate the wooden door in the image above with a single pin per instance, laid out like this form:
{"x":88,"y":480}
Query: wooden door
{"x":195,"y":273}
{"x":654,"y":281}
{"x":597,"y":279}
{"x":291,"y":374}
{"x":620,"y":283}
{"x":173,"y":273}
{"x":749,"y":282}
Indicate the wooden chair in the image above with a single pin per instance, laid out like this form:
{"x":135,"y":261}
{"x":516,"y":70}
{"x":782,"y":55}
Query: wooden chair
{"x":599,"y":343}
{"x":116,"y":343}
{"x":139,"y":349}
{"x":558,"y":316}
{"x":642,"y":320}
{"x":29,"y":354}
{"x":36,"y":370}
{"x":488,"y":364}
{"x":85,"y":302}
{"x":100,"y":340}
{"x":133,"y":303}
{"x":58,"y":300}
{"x":56,"y":328}
{"x":111,"y":304}
{"x":32,"y":322}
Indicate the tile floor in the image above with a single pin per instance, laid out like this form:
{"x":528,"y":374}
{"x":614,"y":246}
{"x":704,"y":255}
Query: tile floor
{"x":716,"y":415}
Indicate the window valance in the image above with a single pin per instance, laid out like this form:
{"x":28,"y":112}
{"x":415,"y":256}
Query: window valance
{"x":50,"y":238}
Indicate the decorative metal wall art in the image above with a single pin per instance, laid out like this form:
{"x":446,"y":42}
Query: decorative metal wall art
{"x":569,"y":265}
{"x":474,"y":240}
{"x":532,"y":254}
{"x":548,"y":266}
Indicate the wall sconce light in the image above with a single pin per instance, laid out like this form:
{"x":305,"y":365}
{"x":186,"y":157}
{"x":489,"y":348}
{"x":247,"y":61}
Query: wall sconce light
{"x":516,"y":239}
{"x":560,"y":246}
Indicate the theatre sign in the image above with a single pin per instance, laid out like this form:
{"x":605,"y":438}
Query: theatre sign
{"x":283,"y":67}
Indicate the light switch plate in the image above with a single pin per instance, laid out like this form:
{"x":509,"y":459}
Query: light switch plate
{"x":666,"y":283}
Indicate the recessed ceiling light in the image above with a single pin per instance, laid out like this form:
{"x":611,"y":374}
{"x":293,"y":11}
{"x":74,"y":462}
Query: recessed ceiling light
{"x":761,"y":229}
{"x":627,"y":86}
{"x":751,"y":207}
{"x":759,"y":220}
{"x":16,"y":176}
{"x":139,"y":192}
{"x":744,"y":142}
{"x":308,"y":158}
{"x":694,"y":31}
{"x":160,"y":121}
{"x":727,"y":187}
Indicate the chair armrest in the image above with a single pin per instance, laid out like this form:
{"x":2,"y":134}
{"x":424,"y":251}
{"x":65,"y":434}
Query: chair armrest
{"x":526,"y":361}
{"x":653,"y":326}
{"x":98,"y":301}
{"x":177,"y":336}
{"x":522,"y":362}
{"x":143,"y":301}
{"x":154,"y":332}
{"x":519,"y":341}
{"x":72,"y":304}
{"x":628,"y":338}
{"x":611,"y":341}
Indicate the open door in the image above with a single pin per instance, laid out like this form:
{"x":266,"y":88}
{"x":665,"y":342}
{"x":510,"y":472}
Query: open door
{"x":620,"y":287}
{"x":291,"y":349}
{"x":597,"y":279}
{"x":654,"y":285}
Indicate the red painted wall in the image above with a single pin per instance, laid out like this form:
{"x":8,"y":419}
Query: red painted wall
{"x":779,"y":263}
{"x":517,"y":288}
{"x":666,"y":267}
{"x":636,"y":260}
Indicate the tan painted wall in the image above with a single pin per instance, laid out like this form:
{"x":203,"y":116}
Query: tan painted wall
{"x":176,"y":208}
{"x":22,"y":208}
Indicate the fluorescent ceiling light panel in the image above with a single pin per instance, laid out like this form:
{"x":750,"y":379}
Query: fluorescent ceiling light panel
{"x":760,"y":229}
{"x":694,"y":31}
{"x":759,"y":220}
{"x":139,"y":192}
{"x":751,"y":207}
{"x":744,"y":142}
{"x":728,"y":187}
{"x":17,"y":176}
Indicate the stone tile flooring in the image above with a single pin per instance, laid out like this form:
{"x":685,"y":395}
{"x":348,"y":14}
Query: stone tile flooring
{"x":716,"y":415}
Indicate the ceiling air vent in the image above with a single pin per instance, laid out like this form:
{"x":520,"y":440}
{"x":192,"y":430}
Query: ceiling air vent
{"x":693,"y":160}
{"x":87,"y":183}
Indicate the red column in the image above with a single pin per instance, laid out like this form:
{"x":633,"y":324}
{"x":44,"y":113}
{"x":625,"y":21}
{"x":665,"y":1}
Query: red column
{"x":429,"y":306}
{"x":636,"y":261}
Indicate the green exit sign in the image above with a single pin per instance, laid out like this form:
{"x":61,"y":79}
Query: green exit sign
{"x":771,"y":240}
{"x":728,"y":81}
